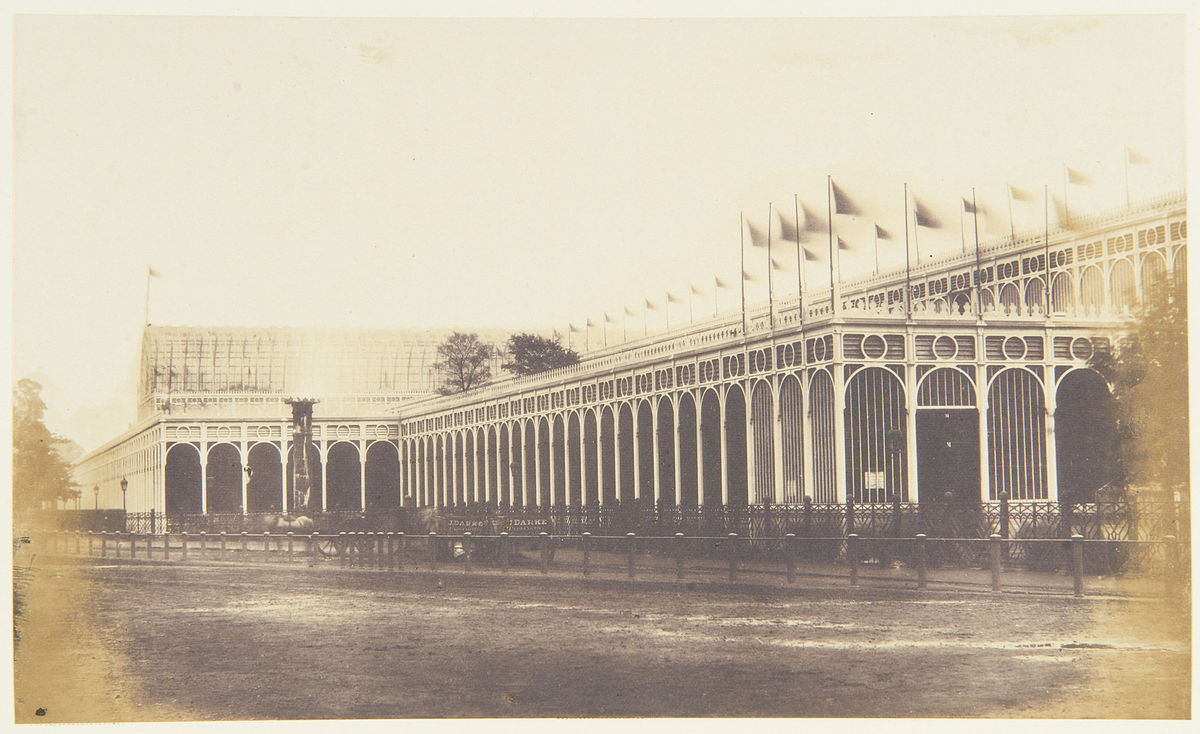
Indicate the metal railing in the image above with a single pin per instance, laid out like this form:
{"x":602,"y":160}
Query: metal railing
{"x":697,"y":557}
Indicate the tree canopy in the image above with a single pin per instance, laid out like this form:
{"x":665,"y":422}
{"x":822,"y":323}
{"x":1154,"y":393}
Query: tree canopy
{"x":40,"y":474}
{"x":463,"y":360}
{"x":529,"y":354}
{"x":1148,"y":372}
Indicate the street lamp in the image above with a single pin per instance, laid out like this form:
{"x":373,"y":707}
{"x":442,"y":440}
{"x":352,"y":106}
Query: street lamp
{"x":124,"y":486}
{"x":96,"y":494}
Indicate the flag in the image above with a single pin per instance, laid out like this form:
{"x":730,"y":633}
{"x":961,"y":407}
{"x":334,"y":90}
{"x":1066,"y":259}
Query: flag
{"x":650,"y":305}
{"x":695,"y":291}
{"x":842,"y":244}
{"x":153,"y":273}
{"x":1019,"y":194}
{"x":1135,"y":158}
{"x":1078,"y":177}
{"x":758,"y":238}
{"x":746,"y":275}
{"x":630,"y":312}
{"x":788,"y":230}
{"x":574,"y":329}
{"x":672,"y":298}
{"x":842,"y":203}
{"x":972,"y":208}
{"x":809,"y":256}
{"x":882,"y":233}
{"x":590,"y":323}
{"x":609,"y":319}
{"x":812,"y":222}
{"x":925,"y":217}
{"x":776,"y":265}
{"x":719,"y":283}
{"x":1060,"y":210}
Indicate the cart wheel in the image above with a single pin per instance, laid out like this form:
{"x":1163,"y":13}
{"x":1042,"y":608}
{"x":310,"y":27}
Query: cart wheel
{"x":329,"y":547}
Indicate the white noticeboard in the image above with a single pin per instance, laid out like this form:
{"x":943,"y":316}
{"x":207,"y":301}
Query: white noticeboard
{"x":875,"y":480}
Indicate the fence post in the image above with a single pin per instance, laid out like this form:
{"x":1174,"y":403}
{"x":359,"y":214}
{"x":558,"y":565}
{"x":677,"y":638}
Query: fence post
{"x":994,"y":547}
{"x":221,"y":553}
{"x":467,"y":551}
{"x":732,"y":540}
{"x":104,"y":544}
{"x":77,"y":541}
{"x":922,"y":580}
{"x":789,"y":554}
{"x":1004,"y":515}
{"x":544,"y":544}
{"x":314,"y":546}
{"x":166,"y":546}
{"x":153,"y":529}
{"x":400,"y":551}
{"x":504,"y":550}
{"x":852,"y":553}
{"x":91,"y":537}
{"x":343,"y":545}
{"x":433,"y":550}
{"x":132,"y":545}
{"x":203,"y":544}
{"x":583,"y":541}
{"x":245,"y":536}
{"x":679,"y":556}
{"x":1077,"y":562}
{"x":849,"y":515}
{"x":806,"y":523}
{"x":266,"y":545}
{"x":632,"y":545}
{"x":290,"y":539}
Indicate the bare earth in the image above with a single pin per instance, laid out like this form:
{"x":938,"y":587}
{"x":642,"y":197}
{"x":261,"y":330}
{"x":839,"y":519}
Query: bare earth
{"x":224,"y":641}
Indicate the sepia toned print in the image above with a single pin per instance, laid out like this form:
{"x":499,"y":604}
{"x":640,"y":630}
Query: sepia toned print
{"x":526,"y":368}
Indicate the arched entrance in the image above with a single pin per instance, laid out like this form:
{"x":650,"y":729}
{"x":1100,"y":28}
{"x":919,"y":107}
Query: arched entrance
{"x":383,"y":476}
{"x":344,"y":477}
{"x":182,"y":476}
{"x":265,"y":485}
{"x":223,"y":478}
{"x":947,"y":437}
{"x":1085,"y":433}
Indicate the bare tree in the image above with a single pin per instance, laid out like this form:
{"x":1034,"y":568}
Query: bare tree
{"x":463,"y":360}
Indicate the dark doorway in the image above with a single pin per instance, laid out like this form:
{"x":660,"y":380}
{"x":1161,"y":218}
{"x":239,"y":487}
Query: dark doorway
{"x":948,"y":454}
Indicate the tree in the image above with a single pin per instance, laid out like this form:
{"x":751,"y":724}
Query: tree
{"x":40,"y":475}
{"x":463,"y":361}
{"x":529,"y":354}
{"x":1149,"y":377}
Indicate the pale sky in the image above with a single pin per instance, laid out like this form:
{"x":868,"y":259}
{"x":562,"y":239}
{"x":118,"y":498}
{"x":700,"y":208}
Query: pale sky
{"x":520,"y":173}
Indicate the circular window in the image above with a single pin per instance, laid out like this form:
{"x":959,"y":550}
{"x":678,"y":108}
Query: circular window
{"x":819,"y":350}
{"x":343,"y":431}
{"x":1081,"y":348}
{"x":945,"y":347}
{"x":263,"y":431}
{"x":1014,"y":347}
{"x":1151,"y":237}
{"x":874,"y":346}
{"x":223,"y":432}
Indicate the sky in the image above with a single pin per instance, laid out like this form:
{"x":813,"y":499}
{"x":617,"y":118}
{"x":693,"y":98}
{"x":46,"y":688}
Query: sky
{"x":524,"y":173}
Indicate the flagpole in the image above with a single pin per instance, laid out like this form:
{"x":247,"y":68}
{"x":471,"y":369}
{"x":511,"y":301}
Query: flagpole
{"x":1047,"y":235}
{"x":770,"y":269}
{"x":742,"y":273}
{"x":1012,"y":230}
{"x":1066,"y":196}
{"x":829,"y":200}
{"x":978,"y":293}
{"x":799,"y":265}
{"x":667,"y":308}
{"x":962,"y":230}
{"x":645,"y":318}
{"x":876,"y":229}
{"x":715,"y":290}
{"x":907,"y":258}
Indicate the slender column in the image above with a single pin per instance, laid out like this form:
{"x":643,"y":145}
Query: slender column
{"x":839,"y":420}
{"x":600,"y":456}
{"x":675,"y":438}
{"x":441,"y":491}
{"x":910,"y":428}
{"x":777,"y":438}
{"x":553,"y":460}
{"x":748,"y":429}
{"x":283,"y":498}
{"x":724,"y":430}
{"x":462,"y":468}
{"x":475,"y":471}
{"x":537,"y":462}
{"x":699,"y":454}
{"x":204,"y":478}
{"x":583,"y":483}
{"x":617,"y":475}
{"x":362,"y":475}
{"x":1051,"y":437}
{"x":324,"y":477}
{"x":981,"y":403}
{"x":655,"y":453}
{"x":634,"y":410}
{"x":512,"y":489}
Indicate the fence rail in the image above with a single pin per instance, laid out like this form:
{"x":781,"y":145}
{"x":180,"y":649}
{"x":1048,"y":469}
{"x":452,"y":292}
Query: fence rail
{"x":919,"y":555}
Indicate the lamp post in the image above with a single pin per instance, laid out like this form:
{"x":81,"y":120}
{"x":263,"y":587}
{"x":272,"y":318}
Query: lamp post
{"x":124,"y":486}
{"x":96,"y":494}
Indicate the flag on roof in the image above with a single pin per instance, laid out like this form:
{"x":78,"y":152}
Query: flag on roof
{"x":842,"y":204}
{"x":574,"y":329}
{"x":1019,"y":194}
{"x":971,"y":207}
{"x":747,"y":275}
{"x":808,"y":255}
{"x":719,"y":283}
{"x":153,"y":273}
{"x":788,"y":229}
{"x":758,"y":238}
{"x":695,"y":291}
{"x":609,"y":319}
{"x":630,"y":312}
{"x":650,"y":305}
{"x":672,"y":298}
{"x":882,"y":233}
{"x":842,"y":244}
{"x":925,"y":217}
{"x":775,"y":264}
{"x":1135,"y":158}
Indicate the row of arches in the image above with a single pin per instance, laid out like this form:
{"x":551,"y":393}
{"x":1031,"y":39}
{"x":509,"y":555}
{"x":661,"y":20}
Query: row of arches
{"x":719,"y":448}
{"x":214,"y":478}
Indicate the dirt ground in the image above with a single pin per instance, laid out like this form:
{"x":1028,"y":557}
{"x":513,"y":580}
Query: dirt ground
{"x":120,"y":641}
